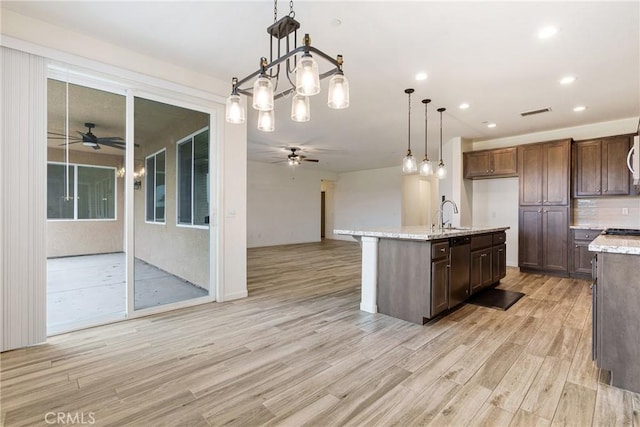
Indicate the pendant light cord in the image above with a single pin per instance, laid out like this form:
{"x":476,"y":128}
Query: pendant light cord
{"x":426,"y":128}
{"x":409,"y":124}
{"x":440,"y":110}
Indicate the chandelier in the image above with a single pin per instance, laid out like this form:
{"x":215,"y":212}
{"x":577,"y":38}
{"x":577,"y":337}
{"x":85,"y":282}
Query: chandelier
{"x":296,"y":67}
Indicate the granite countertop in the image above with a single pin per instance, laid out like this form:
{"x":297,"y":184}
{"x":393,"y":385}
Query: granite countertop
{"x":629,"y":245}
{"x":590,"y":226}
{"x":418,"y":232}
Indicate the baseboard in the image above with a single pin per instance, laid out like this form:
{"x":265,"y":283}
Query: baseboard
{"x":369,"y":308}
{"x":235,"y":295}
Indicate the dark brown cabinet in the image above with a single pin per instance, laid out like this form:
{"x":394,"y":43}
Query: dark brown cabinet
{"x":581,"y":257}
{"x":543,"y":238}
{"x":544,"y":173}
{"x":499,"y":263}
{"x":498,"y":163}
{"x":544,"y":206}
{"x":439,"y":286}
{"x":481,"y":276}
{"x":600,"y":167}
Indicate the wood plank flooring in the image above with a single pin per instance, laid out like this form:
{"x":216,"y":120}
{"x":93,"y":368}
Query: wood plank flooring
{"x":298,"y":351}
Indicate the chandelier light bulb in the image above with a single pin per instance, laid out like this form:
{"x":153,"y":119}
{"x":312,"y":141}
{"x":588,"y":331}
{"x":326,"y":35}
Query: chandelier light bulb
{"x":426,"y":168}
{"x":263,"y":94}
{"x":338,"y":92}
{"x":300,"y":109}
{"x":234,"y":110}
{"x":307,"y":76}
{"x":409,"y":164}
{"x":266,"y":121}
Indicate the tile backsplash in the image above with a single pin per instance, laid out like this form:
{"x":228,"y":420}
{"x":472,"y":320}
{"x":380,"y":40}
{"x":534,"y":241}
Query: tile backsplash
{"x":606,"y":211}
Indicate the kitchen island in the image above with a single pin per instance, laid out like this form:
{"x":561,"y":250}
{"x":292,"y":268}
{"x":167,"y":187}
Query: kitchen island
{"x":616,"y":318}
{"x":416,"y":273}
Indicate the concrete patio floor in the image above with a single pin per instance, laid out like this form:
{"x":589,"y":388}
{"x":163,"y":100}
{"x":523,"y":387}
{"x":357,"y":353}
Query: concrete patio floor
{"x":90,"y":289}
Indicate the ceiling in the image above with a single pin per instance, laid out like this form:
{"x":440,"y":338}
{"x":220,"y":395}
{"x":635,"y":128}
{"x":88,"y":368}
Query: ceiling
{"x":486,"y":54}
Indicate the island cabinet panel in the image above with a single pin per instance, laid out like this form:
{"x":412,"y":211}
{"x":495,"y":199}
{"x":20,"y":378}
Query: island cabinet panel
{"x":404,"y":279}
{"x":599,"y":167}
{"x":617,"y":319}
{"x":481,"y":276}
{"x":498,"y":163}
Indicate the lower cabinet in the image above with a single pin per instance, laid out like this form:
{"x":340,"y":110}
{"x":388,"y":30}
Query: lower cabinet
{"x":439,"y":286}
{"x":499,"y":263}
{"x":580,"y":265}
{"x":543,"y":239}
{"x":481,"y":276}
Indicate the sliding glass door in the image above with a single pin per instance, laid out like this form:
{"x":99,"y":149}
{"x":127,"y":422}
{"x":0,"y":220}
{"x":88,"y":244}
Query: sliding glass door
{"x":171,"y":204}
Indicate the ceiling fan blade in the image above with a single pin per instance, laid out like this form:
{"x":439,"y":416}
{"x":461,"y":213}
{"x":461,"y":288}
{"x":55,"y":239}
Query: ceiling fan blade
{"x":311,"y":160}
{"x":111,"y":138}
{"x":71,"y":138}
{"x":95,"y":147}
{"x":71,"y":142}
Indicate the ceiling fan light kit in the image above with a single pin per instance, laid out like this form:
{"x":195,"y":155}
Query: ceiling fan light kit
{"x":307,"y":76}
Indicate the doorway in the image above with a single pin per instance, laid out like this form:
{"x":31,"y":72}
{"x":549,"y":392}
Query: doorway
{"x":322,"y":214}
{"x":131,"y":189}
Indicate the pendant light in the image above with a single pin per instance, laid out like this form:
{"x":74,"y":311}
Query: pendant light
{"x":409,"y":165}
{"x":300,"y":110}
{"x":266,"y":121}
{"x":426,"y":169}
{"x":442,"y":170}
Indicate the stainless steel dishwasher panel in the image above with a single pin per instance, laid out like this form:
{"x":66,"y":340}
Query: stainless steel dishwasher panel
{"x":460,"y":260}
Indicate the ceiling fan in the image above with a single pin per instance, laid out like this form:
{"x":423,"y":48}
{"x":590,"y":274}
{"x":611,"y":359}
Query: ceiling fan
{"x":88,"y":139}
{"x":295,"y":159}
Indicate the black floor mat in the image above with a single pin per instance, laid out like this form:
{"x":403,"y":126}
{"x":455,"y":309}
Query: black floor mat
{"x":495,"y":298}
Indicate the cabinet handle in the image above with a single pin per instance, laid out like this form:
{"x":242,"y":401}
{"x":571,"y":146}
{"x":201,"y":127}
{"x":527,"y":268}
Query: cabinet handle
{"x":545,"y":211}
{"x":576,"y":246}
{"x":483,"y":255}
{"x":544,"y":201}
{"x":442,"y":249}
{"x":587,"y":236}
{"x":539,"y":210}
{"x":605,"y":190}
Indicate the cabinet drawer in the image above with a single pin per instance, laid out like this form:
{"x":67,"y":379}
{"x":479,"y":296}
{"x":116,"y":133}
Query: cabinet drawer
{"x":499,"y":238}
{"x":482,"y":241}
{"x":585,"y":234}
{"x":439,"y":250}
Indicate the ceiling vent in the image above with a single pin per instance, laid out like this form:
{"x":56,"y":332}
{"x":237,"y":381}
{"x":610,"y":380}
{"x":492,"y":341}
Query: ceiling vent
{"x":538,"y":111}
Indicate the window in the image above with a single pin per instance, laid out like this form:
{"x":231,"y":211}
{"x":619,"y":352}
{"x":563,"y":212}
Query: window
{"x":155,"y":188}
{"x":193,"y":179}
{"x":94,"y":186}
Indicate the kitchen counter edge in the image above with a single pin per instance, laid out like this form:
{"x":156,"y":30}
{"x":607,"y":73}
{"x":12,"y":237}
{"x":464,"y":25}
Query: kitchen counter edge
{"x":418,"y":233}
{"x":629,"y":245}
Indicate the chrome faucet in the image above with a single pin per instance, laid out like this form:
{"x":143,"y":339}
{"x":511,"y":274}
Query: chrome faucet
{"x":441,"y":210}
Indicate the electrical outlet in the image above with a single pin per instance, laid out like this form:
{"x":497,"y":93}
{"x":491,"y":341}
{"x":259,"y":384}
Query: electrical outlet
{"x":625,"y":211}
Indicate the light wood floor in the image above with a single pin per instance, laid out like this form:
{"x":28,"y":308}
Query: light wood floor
{"x":299,"y":352}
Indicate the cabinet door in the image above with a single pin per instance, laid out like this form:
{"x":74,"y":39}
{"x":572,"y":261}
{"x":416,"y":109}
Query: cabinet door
{"x":555,"y":190}
{"x":587,"y":178}
{"x":504,"y":162}
{"x":530,"y":237}
{"x":555,"y":229}
{"x":581,"y":257}
{"x":530,"y":159}
{"x":615,"y":174}
{"x":480,"y":269}
{"x":477,"y":164}
{"x":439,"y":286}
{"x":499,"y":263}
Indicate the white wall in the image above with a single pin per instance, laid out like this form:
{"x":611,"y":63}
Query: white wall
{"x":283,"y":203}
{"x":495,"y":201}
{"x":369,"y":198}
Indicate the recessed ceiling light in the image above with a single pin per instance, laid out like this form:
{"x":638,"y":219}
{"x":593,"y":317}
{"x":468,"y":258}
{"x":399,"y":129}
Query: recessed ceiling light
{"x":335,"y":22}
{"x":546,"y":32}
{"x":579,"y":108}
{"x":421,"y":76}
{"x":567,"y":80}
{"x":464,"y":106}
{"x":491,"y":125}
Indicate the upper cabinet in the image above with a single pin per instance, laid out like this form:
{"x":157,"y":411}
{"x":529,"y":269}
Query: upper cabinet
{"x":600,"y":167}
{"x":498,"y":163}
{"x":544,"y":173}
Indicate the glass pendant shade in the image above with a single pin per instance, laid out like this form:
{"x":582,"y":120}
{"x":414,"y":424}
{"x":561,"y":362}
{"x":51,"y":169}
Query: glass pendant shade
{"x":234,"y":111}
{"x":409,"y":164}
{"x":442,"y":170}
{"x":266,"y":121}
{"x":307,"y":76}
{"x":338,"y":92}
{"x":300,"y":109}
{"x":263,"y":94}
{"x":426,"y":168}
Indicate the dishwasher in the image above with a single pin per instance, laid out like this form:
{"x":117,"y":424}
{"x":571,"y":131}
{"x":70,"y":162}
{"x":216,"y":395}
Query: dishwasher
{"x":459,"y":261}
